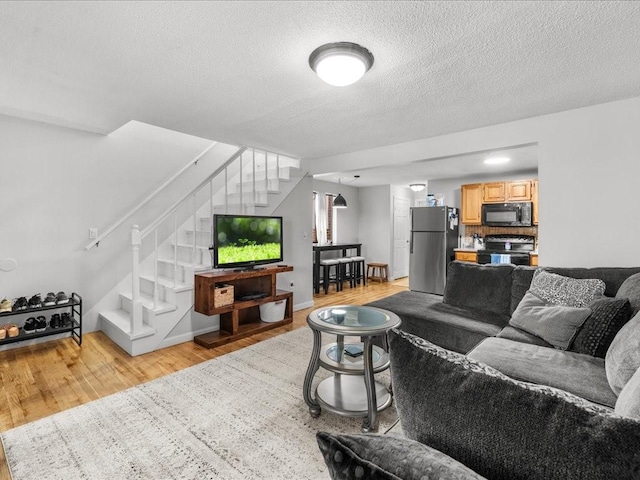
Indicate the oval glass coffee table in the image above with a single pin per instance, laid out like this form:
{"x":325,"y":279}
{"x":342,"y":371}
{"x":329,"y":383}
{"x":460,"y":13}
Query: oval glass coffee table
{"x":352,"y":390}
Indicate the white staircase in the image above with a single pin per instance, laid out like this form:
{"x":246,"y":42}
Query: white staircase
{"x":156,"y":299}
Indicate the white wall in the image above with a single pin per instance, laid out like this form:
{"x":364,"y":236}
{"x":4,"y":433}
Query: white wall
{"x":296,"y":212}
{"x":588,"y":171}
{"x":374,"y":223}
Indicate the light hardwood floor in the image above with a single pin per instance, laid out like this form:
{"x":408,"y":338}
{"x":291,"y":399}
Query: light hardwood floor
{"x":50,"y":377}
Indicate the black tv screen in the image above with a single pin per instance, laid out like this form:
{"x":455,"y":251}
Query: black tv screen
{"x":243,"y":241}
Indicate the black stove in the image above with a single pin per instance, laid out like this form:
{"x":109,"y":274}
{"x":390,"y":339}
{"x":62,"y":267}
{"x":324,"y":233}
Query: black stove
{"x":516,"y":246}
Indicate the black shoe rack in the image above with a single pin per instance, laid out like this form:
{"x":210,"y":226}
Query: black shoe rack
{"x":74,"y":306}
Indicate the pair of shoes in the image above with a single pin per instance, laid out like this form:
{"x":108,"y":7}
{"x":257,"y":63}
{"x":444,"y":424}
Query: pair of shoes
{"x":5,"y":305}
{"x":20,"y":304}
{"x":10,"y":329}
{"x":35,"y":301}
{"x":53,"y":299}
{"x":35,"y":324}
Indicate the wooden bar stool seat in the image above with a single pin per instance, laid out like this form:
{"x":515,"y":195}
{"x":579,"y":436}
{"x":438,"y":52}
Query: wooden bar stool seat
{"x":378,"y":271}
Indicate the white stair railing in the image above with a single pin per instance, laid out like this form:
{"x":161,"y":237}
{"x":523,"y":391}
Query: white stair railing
{"x":138,"y":236}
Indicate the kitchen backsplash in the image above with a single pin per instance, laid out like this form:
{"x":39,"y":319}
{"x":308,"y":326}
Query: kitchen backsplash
{"x":483,"y":231}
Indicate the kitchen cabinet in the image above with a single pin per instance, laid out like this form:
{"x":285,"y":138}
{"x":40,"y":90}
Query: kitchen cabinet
{"x":519,"y":191}
{"x":471,"y":202}
{"x":467,"y":257}
{"x":475,"y":194}
{"x":494,"y":192}
{"x":534,"y":200}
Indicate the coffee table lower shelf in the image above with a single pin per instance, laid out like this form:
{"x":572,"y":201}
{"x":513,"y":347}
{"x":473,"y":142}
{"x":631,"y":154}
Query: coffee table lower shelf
{"x":222,"y":337}
{"x":346,"y":395}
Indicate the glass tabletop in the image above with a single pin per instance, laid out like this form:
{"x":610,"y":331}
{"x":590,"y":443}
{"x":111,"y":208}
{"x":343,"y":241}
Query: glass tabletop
{"x":353,"y":319}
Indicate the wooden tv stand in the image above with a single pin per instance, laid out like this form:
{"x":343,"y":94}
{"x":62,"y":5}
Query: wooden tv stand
{"x":241,"y":318}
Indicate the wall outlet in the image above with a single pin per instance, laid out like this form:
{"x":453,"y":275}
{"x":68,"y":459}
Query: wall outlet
{"x":93,"y":233}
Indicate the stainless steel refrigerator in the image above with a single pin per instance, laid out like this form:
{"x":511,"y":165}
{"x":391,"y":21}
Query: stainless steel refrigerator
{"x":434,"y":235}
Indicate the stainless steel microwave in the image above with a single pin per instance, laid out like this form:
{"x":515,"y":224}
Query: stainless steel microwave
{"x":507,"y":214}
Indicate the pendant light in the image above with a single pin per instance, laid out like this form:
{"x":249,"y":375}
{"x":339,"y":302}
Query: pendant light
{"x":340,"y":63}
{"x":339,"y":202}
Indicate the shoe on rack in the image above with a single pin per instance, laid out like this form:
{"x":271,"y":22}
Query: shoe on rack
{"x":49,"y":300}
{"x":41,"y":324}
{"x":35,"y":301}
{"x":12,"y":329}
{"x":55,"y":321}
{"x":65,"y":320}
{"x":5,"y":305}
{"x":62,"y":298}
{"x":29,"y":325}
{"x":20,"y":304}
{"x":3,"y":332}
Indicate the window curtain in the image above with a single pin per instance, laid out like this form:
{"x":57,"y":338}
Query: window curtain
{"x":321,"y":219}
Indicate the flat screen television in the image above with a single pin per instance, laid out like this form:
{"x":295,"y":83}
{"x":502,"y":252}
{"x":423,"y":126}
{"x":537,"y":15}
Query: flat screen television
{"x":244,"y":241}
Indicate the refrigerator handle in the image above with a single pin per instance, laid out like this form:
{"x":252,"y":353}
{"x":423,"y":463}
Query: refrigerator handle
{"x":411,"y":244}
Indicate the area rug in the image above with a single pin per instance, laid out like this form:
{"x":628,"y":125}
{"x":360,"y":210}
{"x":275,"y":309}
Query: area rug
{"x":239,"y":416}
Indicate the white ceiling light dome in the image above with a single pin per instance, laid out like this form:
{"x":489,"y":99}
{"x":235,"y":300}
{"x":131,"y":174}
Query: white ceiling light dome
{"x":417,"y":187}
{"x":340,"y":63}
{"x":497,"y":160}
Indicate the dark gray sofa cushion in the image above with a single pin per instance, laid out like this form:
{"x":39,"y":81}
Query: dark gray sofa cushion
{"x":451,"y":327}
{"x":378,"y":457}
{"x":502,"y":428}
{"x":479,"y":287}
{"x":577,"y":373}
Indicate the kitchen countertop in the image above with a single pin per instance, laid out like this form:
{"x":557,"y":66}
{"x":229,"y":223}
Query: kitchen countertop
{"x":472,"y":250}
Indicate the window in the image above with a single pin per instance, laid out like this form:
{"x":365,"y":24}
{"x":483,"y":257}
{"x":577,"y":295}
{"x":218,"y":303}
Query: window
{"x":322,"y":217}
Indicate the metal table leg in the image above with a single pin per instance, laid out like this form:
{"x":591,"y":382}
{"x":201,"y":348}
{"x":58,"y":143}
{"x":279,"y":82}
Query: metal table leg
{"x":369,"y":424}
{"x":314,"y":407}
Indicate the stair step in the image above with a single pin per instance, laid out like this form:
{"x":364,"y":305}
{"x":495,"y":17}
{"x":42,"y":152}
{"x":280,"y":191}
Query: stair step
{"x":147,"y":300}
{"x":168,"y":283}
{"x":195,"y":266}
{"x":122,"y":320}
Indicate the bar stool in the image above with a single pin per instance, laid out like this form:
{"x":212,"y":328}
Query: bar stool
{"x":357,"y":266}
{"x":345,"y":271}
{"x":326,"y":266}
{"x":382,"y":270}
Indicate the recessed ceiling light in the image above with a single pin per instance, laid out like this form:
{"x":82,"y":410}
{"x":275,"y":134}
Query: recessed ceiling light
{"x":340,"y":63}
{"x":497,"y":160}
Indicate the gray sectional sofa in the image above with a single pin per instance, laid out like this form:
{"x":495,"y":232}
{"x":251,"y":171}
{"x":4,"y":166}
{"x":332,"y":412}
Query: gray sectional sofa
{"x":473,"y":318}
{"x":516,"y":373}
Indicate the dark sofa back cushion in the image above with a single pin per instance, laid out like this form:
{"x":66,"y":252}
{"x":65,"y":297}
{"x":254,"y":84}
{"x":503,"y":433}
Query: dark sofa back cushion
{"x":613,"y":277}
{"x":482,"y":287}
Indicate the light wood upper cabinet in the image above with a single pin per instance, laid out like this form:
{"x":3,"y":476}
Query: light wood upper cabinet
{"x":471,"y":204}
{"x":494,"y":192}
{"x":534,"y":200}
{"x":475,"y":194}
{"x":519,"y":191}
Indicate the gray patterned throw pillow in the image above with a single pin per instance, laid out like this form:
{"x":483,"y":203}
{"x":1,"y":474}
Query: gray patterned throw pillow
{"x":570,"y":292}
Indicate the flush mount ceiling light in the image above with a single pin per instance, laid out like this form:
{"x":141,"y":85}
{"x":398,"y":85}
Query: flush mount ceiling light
{"x":340,"y":63}
{"x":417,"y":187}
{"x":497,"y":160}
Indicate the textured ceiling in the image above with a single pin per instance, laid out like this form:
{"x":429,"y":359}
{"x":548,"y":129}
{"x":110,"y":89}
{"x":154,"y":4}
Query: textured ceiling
{"x":238,"y":72}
